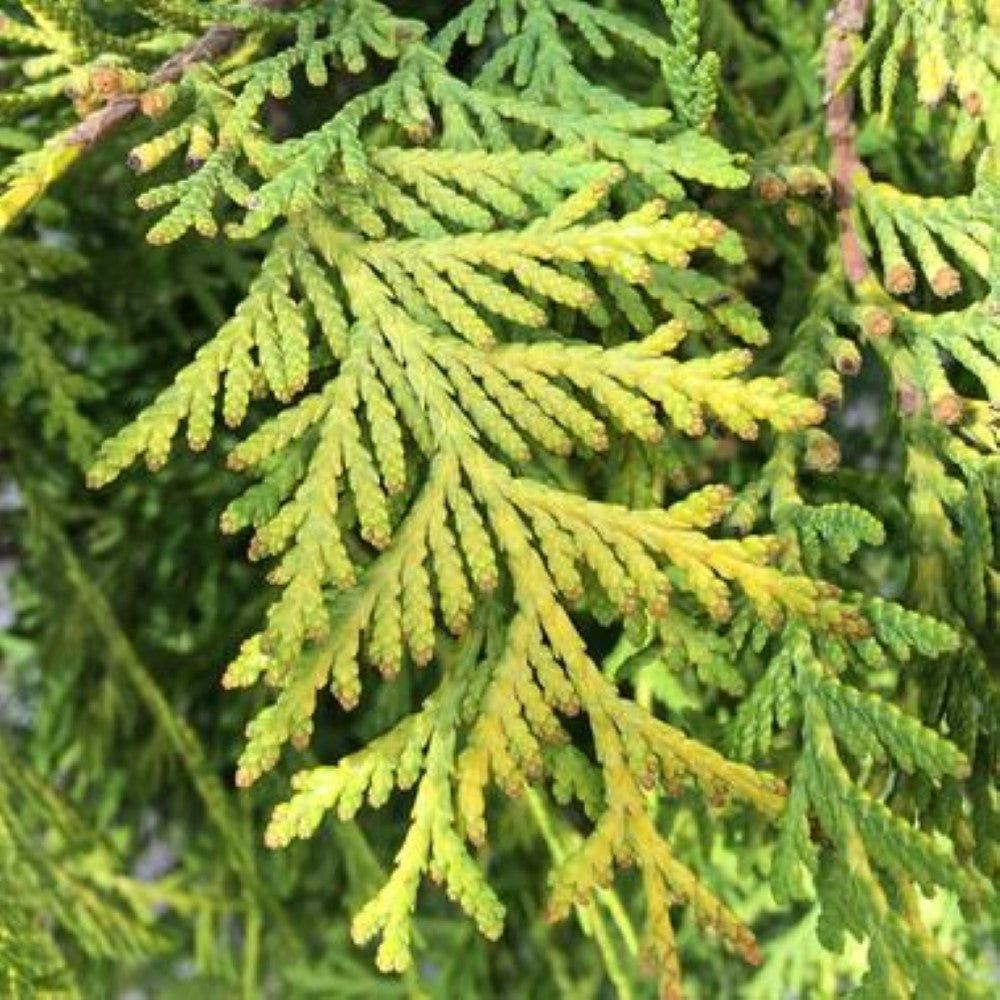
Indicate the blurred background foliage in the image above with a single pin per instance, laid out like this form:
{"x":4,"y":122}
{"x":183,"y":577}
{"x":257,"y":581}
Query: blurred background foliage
{"x":117,"y":743}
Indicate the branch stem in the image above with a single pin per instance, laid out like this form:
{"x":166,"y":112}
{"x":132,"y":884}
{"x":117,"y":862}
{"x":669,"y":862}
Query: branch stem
{"x":213,"y":44}
{"x":847,"y":21}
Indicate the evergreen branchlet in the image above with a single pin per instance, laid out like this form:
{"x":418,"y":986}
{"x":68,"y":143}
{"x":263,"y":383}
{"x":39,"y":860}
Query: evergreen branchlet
{"x":615,"y":402}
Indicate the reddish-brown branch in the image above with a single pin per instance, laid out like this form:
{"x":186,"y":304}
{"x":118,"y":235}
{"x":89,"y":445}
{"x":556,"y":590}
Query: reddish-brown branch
{"x":847,"y":21}
{"x":214,"y":44}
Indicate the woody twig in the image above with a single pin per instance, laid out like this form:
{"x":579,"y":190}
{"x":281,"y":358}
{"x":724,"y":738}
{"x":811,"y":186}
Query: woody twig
{"x":847,"y":21}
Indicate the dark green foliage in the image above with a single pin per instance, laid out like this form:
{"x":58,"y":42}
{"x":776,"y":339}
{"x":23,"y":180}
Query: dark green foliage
{"x":611,"y":393}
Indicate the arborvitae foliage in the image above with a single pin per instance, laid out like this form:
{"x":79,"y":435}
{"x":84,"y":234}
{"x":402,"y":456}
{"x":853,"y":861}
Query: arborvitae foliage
{"x":610,"y":391}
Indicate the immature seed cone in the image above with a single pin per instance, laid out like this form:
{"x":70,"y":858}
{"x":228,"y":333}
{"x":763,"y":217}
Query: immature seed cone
{"x":848,"y":364}
{"x":876,"y":322}
{"x":106,"y":81}
{"x":154,"y":103}
{"x":901,"y":279}
{"x":770,"y":187}
{"x":822,"y":451}
{"x":972,"y":102}
{"x":947,"y":408}
{"x":946,"y":281}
